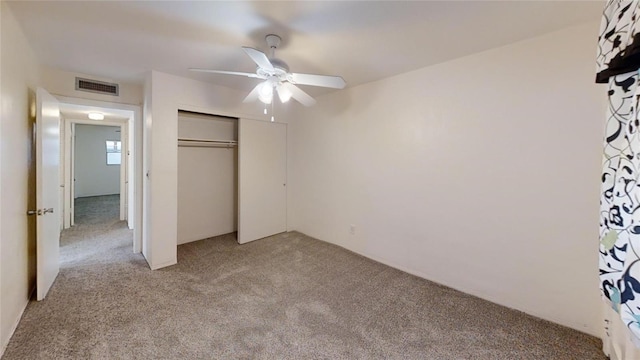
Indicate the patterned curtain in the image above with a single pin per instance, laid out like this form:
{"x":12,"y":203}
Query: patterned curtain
{"x":620,"y":202}
{"x":618,"y":62}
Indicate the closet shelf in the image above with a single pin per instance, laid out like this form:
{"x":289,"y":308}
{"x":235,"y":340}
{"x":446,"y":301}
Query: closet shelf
{"x":206,"y":142}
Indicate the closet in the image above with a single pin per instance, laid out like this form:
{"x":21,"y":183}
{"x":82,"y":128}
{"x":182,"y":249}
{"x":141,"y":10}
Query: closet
{"x":207,"y":176}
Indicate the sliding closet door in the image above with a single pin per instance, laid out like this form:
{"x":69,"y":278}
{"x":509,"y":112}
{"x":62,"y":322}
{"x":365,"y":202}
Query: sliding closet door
{"x":262,"y":170}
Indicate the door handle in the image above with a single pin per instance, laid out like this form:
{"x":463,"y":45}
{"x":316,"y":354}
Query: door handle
{"x":40,"y":212}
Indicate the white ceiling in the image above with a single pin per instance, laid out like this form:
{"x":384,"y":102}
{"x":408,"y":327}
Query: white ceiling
{"x":362,"y":41}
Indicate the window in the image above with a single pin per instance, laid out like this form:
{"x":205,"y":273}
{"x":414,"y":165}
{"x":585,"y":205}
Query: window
{"x":114,"y":152}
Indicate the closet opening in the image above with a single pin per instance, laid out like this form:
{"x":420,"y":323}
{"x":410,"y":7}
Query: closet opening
{"x":207,"y":176}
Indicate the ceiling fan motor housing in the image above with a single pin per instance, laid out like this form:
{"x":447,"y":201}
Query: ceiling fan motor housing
{"x":273,"y":41}
{"x":280,"y":66}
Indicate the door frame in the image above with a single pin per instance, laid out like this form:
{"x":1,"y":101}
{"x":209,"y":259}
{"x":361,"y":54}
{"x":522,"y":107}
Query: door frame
{"x":70,"y":168}
{"x":133,"y":171}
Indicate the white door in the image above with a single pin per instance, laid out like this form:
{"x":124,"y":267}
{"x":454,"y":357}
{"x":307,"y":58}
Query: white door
{"x":72,"y":166}
{"x":61,"y":190}
{"x":47,"y":184}
{"x":124,"y":149}
{"x":262,"y":174}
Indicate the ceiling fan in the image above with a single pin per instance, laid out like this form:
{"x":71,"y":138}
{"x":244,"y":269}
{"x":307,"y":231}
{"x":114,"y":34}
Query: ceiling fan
{"x":277,"y":78}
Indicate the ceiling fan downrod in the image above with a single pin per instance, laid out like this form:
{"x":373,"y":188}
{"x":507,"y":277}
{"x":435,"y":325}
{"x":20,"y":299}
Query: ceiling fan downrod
{"x":273,"y":41}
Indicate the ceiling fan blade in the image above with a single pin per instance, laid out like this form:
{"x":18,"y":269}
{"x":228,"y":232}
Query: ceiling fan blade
{"x":335,"y":82}
{"x":228,"y":73}
{"x":297,"y":93}
{"x":259,"y":58}
{"x":253,"y":95}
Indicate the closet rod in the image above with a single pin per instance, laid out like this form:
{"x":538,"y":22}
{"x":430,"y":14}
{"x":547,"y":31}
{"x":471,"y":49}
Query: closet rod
{"x":206,"y":143}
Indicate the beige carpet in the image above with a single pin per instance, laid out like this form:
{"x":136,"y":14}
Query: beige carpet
{"x":285,"y":297}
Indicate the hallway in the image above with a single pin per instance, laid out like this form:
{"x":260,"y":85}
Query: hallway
{"x":97,"y":248}
{"x":103,"y":209}
{"x":97,"y":235}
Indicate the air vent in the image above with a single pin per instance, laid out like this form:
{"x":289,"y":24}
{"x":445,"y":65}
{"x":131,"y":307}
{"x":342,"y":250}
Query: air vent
{"x":96,"y":86}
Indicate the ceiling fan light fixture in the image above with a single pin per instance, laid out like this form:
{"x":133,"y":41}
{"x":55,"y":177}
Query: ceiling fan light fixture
{"x":266,"y":100}
{"x":266,"y":93}
{"x":284,"y":94}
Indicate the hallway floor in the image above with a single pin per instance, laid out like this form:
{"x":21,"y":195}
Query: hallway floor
{"x":97,"y":209}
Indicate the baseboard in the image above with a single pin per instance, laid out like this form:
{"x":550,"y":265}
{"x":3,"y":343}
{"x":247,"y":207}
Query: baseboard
{"x":5,"y":342}
{"x":162,"y":264}
{"x":482,"y":296}
{"x":86,"y":196}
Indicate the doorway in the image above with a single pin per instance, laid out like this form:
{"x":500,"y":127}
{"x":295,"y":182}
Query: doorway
{"x":99,"y":194}
{"x":118,"y":153}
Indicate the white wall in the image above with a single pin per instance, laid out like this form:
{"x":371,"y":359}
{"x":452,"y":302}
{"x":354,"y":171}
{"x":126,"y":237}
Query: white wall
{"x":480,"y":173}
{"x":4,"y":333}
{"x":146,"y":161}
{"x":20,"y":76}
{"x":93,"y":176}
{"x":60,"y":82}
{"x":164,"y":95}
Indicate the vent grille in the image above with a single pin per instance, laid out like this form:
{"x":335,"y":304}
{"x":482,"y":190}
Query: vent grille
{"x":97,"y":86}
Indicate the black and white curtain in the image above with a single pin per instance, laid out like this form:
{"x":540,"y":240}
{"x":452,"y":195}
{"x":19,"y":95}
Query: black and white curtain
{"x":618,"y":65}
